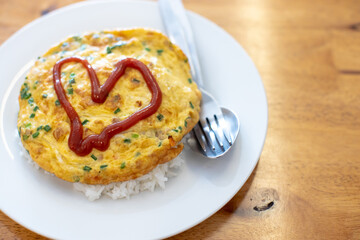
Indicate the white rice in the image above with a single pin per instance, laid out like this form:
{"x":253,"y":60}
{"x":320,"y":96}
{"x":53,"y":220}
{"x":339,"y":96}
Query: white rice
{"x":149,"y":182}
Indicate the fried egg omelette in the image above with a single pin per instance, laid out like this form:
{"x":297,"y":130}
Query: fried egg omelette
{"x":44,"y":126}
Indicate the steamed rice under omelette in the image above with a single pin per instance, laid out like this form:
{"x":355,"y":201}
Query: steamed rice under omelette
{"x":44,"y":126}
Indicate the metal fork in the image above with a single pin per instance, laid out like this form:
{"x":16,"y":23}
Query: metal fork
{"x":218,"y":127}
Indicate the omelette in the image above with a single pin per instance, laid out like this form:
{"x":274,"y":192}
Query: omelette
{"x":47,"y":130}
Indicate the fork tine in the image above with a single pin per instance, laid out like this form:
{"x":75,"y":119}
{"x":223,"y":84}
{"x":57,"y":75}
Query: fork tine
{"x":200,"y":137}
{"x":214,"y":128}
{"x":220,"y":122}
{"x":210,"y":136}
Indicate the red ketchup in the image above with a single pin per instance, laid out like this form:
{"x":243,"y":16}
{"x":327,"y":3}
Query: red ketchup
{"x":99,"y":94}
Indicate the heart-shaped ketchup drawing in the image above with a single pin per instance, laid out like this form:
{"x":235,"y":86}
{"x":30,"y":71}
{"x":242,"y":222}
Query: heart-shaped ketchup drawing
{"x":99,"y":94}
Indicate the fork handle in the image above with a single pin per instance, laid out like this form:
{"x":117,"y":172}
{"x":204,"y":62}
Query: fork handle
{"x":179,"y":31}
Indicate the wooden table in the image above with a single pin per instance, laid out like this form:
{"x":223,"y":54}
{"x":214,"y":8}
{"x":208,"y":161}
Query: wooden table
{"x":307,"y":182}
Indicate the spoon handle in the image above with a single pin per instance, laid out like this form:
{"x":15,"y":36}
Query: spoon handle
{"x":179,"y":31}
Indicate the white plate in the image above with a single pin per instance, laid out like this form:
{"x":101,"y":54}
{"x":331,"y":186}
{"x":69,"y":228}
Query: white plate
{"x":51,"y":207}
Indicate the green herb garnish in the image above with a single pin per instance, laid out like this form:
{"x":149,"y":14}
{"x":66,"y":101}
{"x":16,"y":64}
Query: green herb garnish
{"x":70,"y":91}
{"x":160,"y":117}
{"x":180,"y":128}
{"x":135,"y":80}
{"x":175,"y":130}
{"x":159,"y":51}
{"x":148,"y":49}
{"x":127,"y":140}
{"x":76,"y":178}
{"x":190,"y":80}
{"x":44,"y":96}
{"x":85,"y":122}
{"x":72,"y":81}
{"x":87,"y":168}
{"x":36,"y":108}
{"x":35,"y":135}
{"x":77,"y":38}
{"x":103,"y":166}
{"x":135,"y":135}
{"x":123,"y":165}
{"x":191,"y":105}
{"x":117,"y":110}
{"x":57,"y":102}
{"x":160,"y":143}
{"x":72,"y":75}
{"x":108,"y":50}
{"x":93,"y":157}
{"x":32,"y":115}
{"x":39,"y":128}
{"x":47,"y":128}
{"x":28,"y":125}
{"x":25,"y":137}
{"x":185,"y":122}
{"x":117,"y":45}
{"x":24,"y":92}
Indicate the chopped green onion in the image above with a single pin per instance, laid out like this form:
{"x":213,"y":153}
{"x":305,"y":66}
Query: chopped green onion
{"x":93,"y":157}
{"x":127,"y":140}
{"x":135,"y":135}
{"x":191,"y":105}
{"x":175,"y":130}
{"x":85,"y":122}
{"x":148,"y":49}
{"x":135,"y":80}
{"x":72,"y":75}
{"x":186,"y":60}
{"x":159,"y":51}
{"x":160,"y":117}
{"x":35,"y":135}
{"x":185,"y":122}
{"x":24,"y":94}
{"x":31,"y":100}
{"x":28,"y":125}
{"x":32,"y":115}
{"x":117,"y":45}
{"x":36,"y":108}
{"x":87,"y":168}
{"x":190,"y":80}
{"x":123,"y":164}
{"x":36,"y":82}
{"x":72,"y":81}
{"x":117,"y":110}
{"x":25,"y":137}
{"x":57,"y":102}
{"x":39,"y":128}
{"x":70,"y":91}
{"x":108,"y":50}
{"x":44,"y":96}
{"x":160,"y":143}
{"x":180,"y":128}
{"x":47,"y":128}
{"x":77,"y":38}
{"x":103,"y":166}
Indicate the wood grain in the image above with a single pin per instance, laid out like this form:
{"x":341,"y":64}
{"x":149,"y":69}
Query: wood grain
{"x":307,"y":182}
